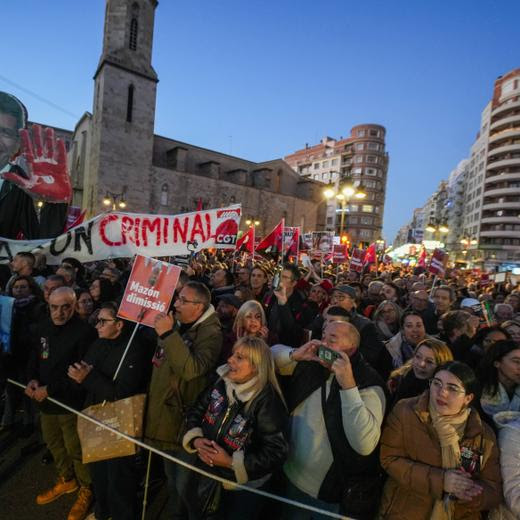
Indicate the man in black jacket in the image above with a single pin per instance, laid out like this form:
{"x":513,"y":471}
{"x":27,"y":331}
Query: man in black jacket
{"x":371,"y":347}
{"x":287,"y":312}
{"x":61,"y":341}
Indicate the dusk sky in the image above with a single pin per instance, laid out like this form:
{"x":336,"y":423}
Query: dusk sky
{"x":259,"y":79}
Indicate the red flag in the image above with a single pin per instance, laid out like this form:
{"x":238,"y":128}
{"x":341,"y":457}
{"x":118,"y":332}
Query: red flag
{"x":357,"y":260}
{"x":74,"y":220}
{"x":421,"y":261}
{"x":438,"y":262}
{"x":370,"y":255}
{"x":247,"y":241}
{"x":272,"y":243}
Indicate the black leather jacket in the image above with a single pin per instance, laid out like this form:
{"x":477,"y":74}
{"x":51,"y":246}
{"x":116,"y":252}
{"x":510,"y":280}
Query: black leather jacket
{"x":259,"y":431}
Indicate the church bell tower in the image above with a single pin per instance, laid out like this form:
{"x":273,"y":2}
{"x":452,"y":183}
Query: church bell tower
{"x":122,"y":129}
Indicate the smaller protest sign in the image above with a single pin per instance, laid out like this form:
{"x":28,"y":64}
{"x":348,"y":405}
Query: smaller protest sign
{"x":438,"y":263}
{"x":322,"y":242}
{"x":340,"y":253}
{"x":6,"y":319}
{"x":357,"y":260}
{"x":149,"y":290}
{"x":291,"y":241}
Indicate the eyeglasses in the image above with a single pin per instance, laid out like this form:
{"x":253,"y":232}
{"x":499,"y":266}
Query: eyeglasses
{"x":102,"y":321}
{"x":451,"y":389}
{"x":184,"y":300}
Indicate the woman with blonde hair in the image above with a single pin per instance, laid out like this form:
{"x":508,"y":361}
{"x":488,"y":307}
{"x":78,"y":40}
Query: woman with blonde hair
{"x":250,"y":321}
{"x":236,"y":431}
{"x":413,"y":377}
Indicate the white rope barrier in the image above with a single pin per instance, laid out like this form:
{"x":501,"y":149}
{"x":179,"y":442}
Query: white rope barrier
{"x":145,"y":446}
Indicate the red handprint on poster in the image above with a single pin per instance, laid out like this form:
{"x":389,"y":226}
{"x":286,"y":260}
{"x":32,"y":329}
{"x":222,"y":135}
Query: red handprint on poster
{"x":42,"y":166}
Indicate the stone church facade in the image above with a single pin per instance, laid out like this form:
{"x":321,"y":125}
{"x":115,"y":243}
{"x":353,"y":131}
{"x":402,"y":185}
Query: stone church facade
{"x":114,"y":149}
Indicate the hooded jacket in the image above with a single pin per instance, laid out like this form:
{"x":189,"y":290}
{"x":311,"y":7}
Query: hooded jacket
{"x":182,"y":367}
{"x":411,"y":455}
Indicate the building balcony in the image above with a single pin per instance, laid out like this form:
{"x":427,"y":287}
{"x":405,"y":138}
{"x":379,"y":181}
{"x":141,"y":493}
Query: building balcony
{"x":505,"y":121}
{"x":512,"y":219}
{"x":505,"y":108}
{"x":500,"y":234}
{"x":501,"y":205}
{"x":503,"y":191}
{"x":503,"y":177}
{"x":505,"y":134}
{"x":504,"y":149}
{"x":504,"y":163}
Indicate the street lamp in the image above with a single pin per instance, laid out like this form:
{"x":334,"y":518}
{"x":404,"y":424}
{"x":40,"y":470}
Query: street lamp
{"x":466,"y":241}
{"x":437,"y":226}
{"x":115,"y":200}
{"x":252,"y":222}
{"x":345,"y":191}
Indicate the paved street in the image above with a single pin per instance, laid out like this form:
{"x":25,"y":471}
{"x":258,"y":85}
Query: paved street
{"x":22,"y":476}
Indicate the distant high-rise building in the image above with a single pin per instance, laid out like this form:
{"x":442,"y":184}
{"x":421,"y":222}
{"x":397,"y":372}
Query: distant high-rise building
{"x":362,"y":158}
{"x":499,"y":234}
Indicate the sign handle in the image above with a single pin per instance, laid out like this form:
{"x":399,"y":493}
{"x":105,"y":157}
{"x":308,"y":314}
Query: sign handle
{"x":125,"y":352}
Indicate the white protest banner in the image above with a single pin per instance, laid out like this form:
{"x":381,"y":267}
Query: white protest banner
{"x":149,"y":290}
{"x":116,"y":234}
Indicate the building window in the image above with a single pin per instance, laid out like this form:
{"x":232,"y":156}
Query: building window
{"x":367,"y":221}
{"x":164,"y":195}
{"x":371,"y":171}
{"x":359,"y":158}
{"x":357,"y":170}
{"x":334,"y":162}
{"x":359,"y":146}
{"x":374,"y":133}
{"x":325,"y":164}
{"x":367,"y":208}
{"x":130,"y":104}
{"x":373,"y":146}
{"x":371,"y":158}
{"x":316,"y":166}
{"x":132,"y":44}
{"x":353,"y":207}
{"x":361,"y":133}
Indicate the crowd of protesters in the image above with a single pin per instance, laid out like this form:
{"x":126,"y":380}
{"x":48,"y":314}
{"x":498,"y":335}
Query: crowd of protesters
{"x":388,"y":393}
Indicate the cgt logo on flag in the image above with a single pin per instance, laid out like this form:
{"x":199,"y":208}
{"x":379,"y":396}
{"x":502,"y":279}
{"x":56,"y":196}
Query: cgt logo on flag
{"x":226,"y":233}
{"x":438,"y":262}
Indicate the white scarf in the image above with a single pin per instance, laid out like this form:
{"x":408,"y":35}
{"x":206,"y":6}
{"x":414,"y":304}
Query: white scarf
{"x":238,"y":391}
{"x":500,"y":401}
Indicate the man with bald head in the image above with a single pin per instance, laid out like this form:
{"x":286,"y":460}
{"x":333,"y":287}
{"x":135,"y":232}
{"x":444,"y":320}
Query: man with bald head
{"x":336,"y":412}
{"x":61,"y":340}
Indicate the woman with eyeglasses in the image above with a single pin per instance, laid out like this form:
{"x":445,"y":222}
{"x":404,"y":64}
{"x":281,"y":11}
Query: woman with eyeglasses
{"x":441,"y":459}
{"x":499,"y":373}
{"x":114,"y":481}
{"x":413,"y":377}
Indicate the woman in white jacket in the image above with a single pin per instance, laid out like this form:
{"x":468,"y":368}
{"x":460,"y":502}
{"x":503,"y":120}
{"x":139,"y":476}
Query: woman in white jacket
{"x":508,"y":424}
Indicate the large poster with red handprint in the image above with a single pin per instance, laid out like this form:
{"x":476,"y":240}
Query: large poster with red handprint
{"x":32,"y":159}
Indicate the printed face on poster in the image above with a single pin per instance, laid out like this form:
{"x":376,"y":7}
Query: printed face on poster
{"x":149,"y":290}
{"x":322,"y":242}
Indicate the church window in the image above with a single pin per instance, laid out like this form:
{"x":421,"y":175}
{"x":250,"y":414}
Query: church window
{"x":133,"y":35}
{"x":130,"y":104}
{"x":164,"y":195}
